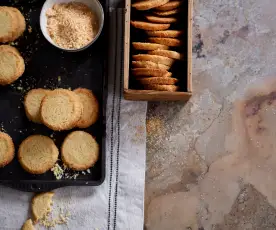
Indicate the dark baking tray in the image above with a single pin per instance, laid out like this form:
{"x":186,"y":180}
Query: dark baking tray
{"x":49,"y":67}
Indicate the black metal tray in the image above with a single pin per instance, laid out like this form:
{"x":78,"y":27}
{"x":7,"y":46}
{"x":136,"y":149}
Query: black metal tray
{"x":49,"y":67}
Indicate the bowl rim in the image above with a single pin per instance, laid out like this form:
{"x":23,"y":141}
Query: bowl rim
{"x":84,"y":47}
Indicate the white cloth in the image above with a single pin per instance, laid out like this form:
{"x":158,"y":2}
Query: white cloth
{"x":119,"y":202}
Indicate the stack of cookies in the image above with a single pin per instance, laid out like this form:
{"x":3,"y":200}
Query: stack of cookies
{"x":62,"y":109}
{"x":159,"y":48}
{"x":12,"y":24}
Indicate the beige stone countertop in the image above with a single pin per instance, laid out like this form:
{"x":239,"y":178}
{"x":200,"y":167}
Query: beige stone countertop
{"x":205,"y":168}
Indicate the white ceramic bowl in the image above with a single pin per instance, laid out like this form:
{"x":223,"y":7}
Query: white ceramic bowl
{"x":95,"y":7}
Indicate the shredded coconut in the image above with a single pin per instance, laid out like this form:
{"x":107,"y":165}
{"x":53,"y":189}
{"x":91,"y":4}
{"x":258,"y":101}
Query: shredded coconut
{"x":71,"y":25}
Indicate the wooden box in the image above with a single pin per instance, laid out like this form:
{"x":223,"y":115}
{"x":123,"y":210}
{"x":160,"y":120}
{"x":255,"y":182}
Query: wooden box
{"x":130,"y":93}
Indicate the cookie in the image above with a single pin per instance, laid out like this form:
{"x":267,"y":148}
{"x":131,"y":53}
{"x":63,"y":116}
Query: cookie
{"x":149,"y":4}
{"x":90,"y":105}
{"x":149,"y":64}
{"x":41,"y":205}
{"x":167,"y":13}
{"x":169,"y":5}
{"x":61,"y":109}
{"x":170,"y":88}
{"x":167,"y":53}
{"x":158,"y":81}
{"x":12,"y":65}
{"x":148,"y":46}
{"x":21,"y":23}
{"x":37,"y":154}
{"x":166,"y":41}
{"x":8,"y":25}
{"x":6,"y":149}
{"x":163,"y":20}
{"x":28,"y":225}
{"x":32,"y":104}
{"x":153,"y":58}
{"x":79,"y":151}
{"x":149,"y":26}
{"x":165,"y":33}
{"x":145,"y":72}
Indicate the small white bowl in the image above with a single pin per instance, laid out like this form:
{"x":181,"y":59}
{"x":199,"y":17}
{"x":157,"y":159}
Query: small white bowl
{"x":95,"y":7}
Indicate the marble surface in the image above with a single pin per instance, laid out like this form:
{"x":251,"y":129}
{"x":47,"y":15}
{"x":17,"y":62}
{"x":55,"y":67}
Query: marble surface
{"x":210,"y":162}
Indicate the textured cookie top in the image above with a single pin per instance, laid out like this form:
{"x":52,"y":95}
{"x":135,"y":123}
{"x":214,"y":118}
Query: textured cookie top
{"x":41,"y":205}
{"x":90,"y":105}
{"x":79,"y":150}
{"x":11,"y":65}
{"x":61,"y":109}
{"x":6,"y":25}
{"x":6,"y":149}
{"x":37,"y":154}
{"x":32,"y":103}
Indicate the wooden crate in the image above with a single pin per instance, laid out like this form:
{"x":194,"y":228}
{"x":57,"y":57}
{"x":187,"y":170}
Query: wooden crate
{"x":150,"y":95}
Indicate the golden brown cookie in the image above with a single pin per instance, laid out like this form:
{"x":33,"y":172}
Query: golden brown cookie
{"x":170,"y":88}
{"x":90,"y":104}
{"x":41,"y":205}
{"x":163,"y":20}
{"x":149,"y":26}
{"x":28,"y":225}
{"x":165,"y":33}
{"x":170,"y":5}
{"x":61,"y":109}
{"x":149,"y":64}
{"x":6,"y":149}
{"x":167,"y":13}
{"x":32,"y":104}
{"x":145,"y":72}
{"x":79,"y":151}
{"x":11,"y":65}
{"x":149,"y":4}
{"x":148,"y":46}
{"x":37,"y":154}
{"x":21,"y":23}
{"x":8,"y":26}
{"x":167,"y":41}
{"x":167,"y":53}
{"x":153,"y":58}
{"x":158,"y":81}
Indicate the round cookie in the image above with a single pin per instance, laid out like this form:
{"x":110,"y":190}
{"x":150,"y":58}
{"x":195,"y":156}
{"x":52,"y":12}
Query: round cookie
{"x":32,"y":104}
{"x":79,"y":151}
{"x":21,"y":23}
{"x":6,"y":149}
{"x":11,"y":65}
{"x":61,"y":109}
{"x":8,"y":25}
{"x":42,"y":205}
{"x":37,"y":154}
{"x":90,"y":105}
